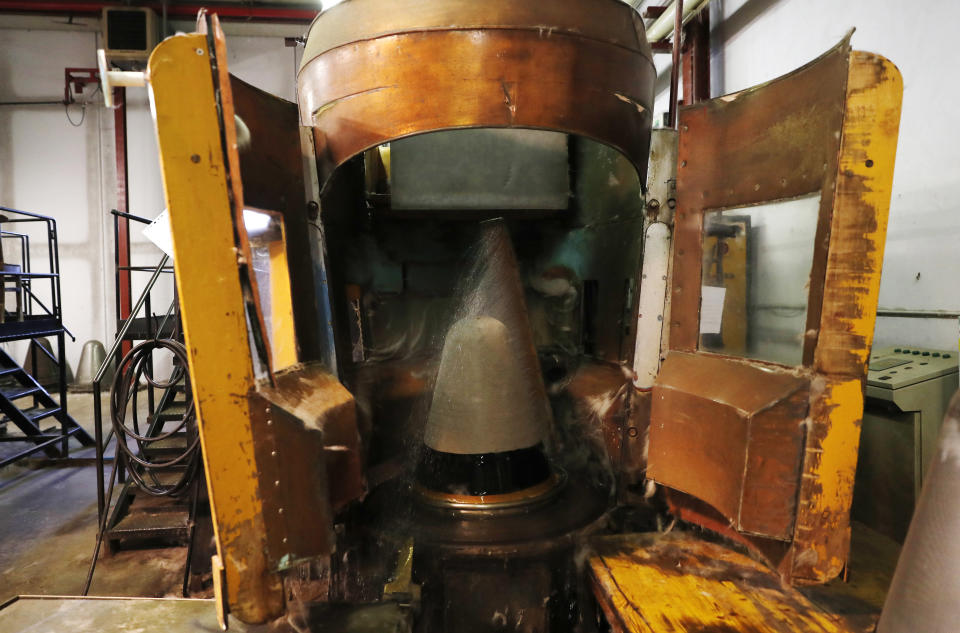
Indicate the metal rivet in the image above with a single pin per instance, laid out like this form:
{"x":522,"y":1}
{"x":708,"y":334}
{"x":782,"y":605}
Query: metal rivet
{"x":269,"y":422}
{"x":280,"y":511}
{"x":633,"y":432}
{"x":756,"y":187}
{"x":686,"y":129}
{"x":199,"y":51}
{"x":276,"y":482}
{"x":284,"y":539}
{"x":195,"y":158}
{"x":683,"y":163}
{"x":273,"y":453}
{"x":869,"y":163}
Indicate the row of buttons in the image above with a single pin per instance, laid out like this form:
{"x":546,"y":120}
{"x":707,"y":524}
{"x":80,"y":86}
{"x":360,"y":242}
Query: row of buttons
{"x":917,"y":352}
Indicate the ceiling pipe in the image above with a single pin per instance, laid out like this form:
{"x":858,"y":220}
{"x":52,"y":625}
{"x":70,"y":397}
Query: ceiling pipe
{"x":663,"y":25}
{"x":285,"y":14}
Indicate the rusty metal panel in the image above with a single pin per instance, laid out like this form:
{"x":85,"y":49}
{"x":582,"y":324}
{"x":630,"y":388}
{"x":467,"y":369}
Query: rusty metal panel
{"x":758,"y":146}
{"x":727,"y":432}
{"x":581,"y":68}
{"x":271,"y":168}
{"x":862,"y":203}
{"x":293,"y":485}
{"x":774,"y":141}
{"x":310,"y":394}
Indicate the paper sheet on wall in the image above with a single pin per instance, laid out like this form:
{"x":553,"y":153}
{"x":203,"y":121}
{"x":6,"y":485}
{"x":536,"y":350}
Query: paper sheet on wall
{"x":158,"y":232}
{"x":711,"y":309}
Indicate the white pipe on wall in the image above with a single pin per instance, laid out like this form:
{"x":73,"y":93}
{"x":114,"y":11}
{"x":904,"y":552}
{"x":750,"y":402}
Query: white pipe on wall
{"x":663,"y":25}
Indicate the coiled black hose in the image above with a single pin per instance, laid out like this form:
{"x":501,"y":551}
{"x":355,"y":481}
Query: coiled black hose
{"x":123,"y":397}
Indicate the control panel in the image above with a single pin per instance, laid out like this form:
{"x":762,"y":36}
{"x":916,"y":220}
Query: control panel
{"x":897,"y":367}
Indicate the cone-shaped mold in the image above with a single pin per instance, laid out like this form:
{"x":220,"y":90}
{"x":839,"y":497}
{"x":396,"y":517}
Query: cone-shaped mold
{"x":91,"y":357}
{"x":489,"y":416}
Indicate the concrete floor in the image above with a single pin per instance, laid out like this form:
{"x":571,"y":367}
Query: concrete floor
{"x":48,"y":525}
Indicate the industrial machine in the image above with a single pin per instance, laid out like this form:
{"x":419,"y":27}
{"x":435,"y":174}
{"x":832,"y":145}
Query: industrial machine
{"x":460,"y":357}
{"x":908,"y":390}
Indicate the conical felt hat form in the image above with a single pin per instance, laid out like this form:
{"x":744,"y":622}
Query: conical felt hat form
{"x":485,"y":400}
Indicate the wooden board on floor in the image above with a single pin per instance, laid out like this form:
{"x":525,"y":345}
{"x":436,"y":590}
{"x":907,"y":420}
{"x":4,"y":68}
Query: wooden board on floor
{"x":654,"y":583}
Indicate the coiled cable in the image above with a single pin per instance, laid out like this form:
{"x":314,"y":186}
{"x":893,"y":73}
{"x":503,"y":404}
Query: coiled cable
{"x":135,"y":367}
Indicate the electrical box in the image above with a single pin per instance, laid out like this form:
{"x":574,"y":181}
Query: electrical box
{"x":908,"y":389}
{"x":129,"y":35}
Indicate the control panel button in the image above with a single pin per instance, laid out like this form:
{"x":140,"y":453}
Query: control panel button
{"x":926,"y":353}
{"x":916,"y":352}
{"x":936,"y":354}
{"x":897,"y":351}
{"x":946,"y":355}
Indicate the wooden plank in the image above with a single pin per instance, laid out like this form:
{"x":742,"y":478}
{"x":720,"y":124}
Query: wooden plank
{"x":653,"y":583}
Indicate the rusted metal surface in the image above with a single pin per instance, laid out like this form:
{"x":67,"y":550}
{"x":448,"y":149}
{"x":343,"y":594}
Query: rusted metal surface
{"x":229,"y":147}
{"x":777,"y":140}
{"x":271,"y":168}
{"x":312,"y":395}
{"x":727,"y":431}
{"x":581,"y":67}
{"x":696,"y":58}
{"x":308,"y":461}
{"x":862,"y":200}
{"x":652,"y":583}
{"x":831,"y":128}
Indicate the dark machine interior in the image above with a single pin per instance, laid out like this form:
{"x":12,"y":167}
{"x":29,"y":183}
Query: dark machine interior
{"x":402,"y":252}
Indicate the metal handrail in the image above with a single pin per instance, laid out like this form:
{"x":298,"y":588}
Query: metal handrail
{"x":101,"y":445}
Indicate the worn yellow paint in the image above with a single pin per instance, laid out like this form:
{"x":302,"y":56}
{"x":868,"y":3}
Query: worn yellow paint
{"x":652,"y":583}
{"x":195,"y":183}
{"x":283,"y":340}
{"x":838,"y":461}
{"x":852,"y":283}
{"x":861,"y":207}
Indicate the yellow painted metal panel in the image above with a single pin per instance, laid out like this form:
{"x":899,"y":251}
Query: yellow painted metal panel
{"x":283,"y":340}
{"x":852,"y":284}
{"x":195,"y":183}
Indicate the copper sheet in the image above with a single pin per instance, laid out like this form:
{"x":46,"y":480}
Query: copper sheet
{"x":774,"y":141}
{"x":727,"y":432}
{"x":492,"y":64}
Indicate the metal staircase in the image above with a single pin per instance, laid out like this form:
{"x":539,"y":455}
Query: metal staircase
{"x":24,"y":403}
{"x":155,"y":489}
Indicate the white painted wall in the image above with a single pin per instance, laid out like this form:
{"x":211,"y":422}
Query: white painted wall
{"x":51,"y":167}
{"x":753,"y":41}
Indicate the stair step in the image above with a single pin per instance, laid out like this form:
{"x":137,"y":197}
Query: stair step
{"x":173,"y":411}
{"x":173,"y":445}
{"x":18,"y":391}
{"x":152,"y":524}
{"x":6,"y":371}
{"x":39,"y":413}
